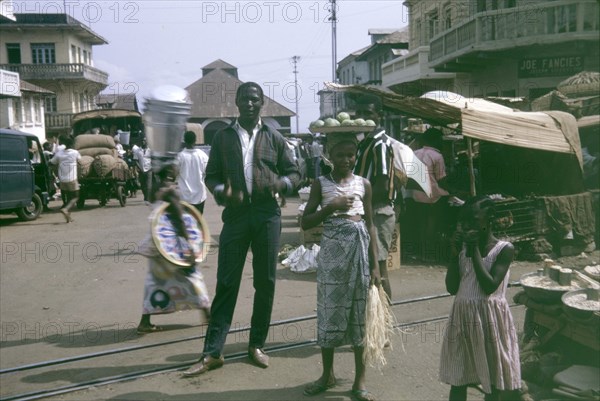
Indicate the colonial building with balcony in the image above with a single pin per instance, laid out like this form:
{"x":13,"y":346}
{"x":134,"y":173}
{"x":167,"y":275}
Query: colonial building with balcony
{"x":363,"y":66}
{"x":495,"y":47}
{"x":386,"y":44}
{"x":55,"y":52}
{"x":22,"y":105}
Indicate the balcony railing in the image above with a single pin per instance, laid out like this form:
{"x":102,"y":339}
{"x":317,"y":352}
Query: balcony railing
{"x":58,"y":120}
{"x":33,"y":72}
{"x":410,"y":67}
{"x":544,"y":22}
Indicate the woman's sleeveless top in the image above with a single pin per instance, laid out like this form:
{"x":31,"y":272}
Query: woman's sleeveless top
{"x":331,"y":189}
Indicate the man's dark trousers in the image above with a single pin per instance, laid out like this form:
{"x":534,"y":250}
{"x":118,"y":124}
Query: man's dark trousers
{"x":255,"y":225}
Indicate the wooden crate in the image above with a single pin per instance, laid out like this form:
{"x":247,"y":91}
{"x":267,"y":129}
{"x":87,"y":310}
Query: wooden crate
{"x":393,"y":260}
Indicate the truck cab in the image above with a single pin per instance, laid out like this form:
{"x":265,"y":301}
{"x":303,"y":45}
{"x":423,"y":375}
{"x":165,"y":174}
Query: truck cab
{"x":25,"y":179}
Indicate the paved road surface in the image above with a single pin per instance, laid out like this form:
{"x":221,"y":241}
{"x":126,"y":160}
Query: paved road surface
{"x":72,"y":289}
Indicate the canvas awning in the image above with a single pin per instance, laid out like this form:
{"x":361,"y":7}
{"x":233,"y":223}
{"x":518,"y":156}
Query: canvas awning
{"x":552,"y":131}
{"x":589,"y":121}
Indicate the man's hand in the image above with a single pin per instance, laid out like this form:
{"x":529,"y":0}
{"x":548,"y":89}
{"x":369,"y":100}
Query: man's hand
{"x":278,"y":187}
{"x":231,"y":197}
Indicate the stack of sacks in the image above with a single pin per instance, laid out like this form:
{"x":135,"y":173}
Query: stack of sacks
{"x":99,"y":157}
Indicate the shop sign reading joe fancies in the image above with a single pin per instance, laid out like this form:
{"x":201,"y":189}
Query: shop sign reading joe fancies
{"x":550,"y":66}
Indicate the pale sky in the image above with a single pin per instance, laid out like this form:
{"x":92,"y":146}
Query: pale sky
{"x":154,"y":42}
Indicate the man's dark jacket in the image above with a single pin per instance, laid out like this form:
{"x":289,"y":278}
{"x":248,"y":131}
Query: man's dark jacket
{"x":272,"y":161}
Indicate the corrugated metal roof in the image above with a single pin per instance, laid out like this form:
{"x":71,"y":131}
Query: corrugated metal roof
{"x":117,"y":101}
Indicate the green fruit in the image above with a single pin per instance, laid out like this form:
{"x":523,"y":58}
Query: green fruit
{"x":370,"y":123}
{"x":331,"y":122}
{"x":342,"y":116}
{"x":317,"y":124}
{"x":348,"y":123}
{"x":360,"y":121}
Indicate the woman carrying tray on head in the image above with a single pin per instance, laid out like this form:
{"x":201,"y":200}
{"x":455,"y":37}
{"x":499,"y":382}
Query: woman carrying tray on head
{"x":347,"y":261}
{"x":173,"y":283}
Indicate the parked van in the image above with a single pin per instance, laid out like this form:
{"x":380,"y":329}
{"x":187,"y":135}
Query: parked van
{"x":25,"y":180}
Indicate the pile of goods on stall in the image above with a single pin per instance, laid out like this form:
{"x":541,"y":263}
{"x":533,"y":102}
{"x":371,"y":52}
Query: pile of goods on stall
{"x":567,"y":302}
{"x":99,"y":158}
{"x":550,"y":283}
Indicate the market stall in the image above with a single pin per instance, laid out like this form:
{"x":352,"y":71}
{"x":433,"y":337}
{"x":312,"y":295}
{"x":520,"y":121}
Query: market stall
{"x":530,"y":162}
{"x":560,"y":347}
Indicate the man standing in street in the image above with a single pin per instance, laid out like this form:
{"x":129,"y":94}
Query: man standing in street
{"x":142,"y":155}
{"x":428,"y":210}
{"x":192,"y":169}
{"x":249,"y":165}
{"x":375,"y":162}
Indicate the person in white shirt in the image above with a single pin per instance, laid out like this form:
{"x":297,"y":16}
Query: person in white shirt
{"x":192,"y":169}
{"x":67,"y":174}
{"x":118,"y":146}
{"x":144,"y":163}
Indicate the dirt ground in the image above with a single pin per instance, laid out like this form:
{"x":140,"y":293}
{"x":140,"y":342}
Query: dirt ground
{"x":68,"y":290}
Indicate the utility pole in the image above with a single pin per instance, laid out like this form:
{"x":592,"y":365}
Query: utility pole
{"x":333,"y":20}
{"x":295,"y":60}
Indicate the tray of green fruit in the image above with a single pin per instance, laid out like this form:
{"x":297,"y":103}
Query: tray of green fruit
{"x":343,"y":123}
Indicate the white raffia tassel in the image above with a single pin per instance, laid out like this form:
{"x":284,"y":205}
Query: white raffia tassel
{"x":379,"y":326}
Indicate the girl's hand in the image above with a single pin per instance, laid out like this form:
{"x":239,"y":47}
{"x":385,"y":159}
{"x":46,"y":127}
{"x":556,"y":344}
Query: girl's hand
{"x":376,"y":277}
{"x":343,"y":203}
{"x":470,"y":237}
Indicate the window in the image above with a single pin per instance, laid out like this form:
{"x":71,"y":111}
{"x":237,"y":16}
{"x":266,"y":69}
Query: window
{"x":432,"y":24}
{"x":12,"y":149}
{"x":567,"y":18}
{"x":418,"y":33}
{"x":28,"y":106}
{"x":481,"y":5}
{"x":82,"y":102}
{"x":50,"y":104}
{"x":17,"y":111}
{"x":448,"y":18}
{"x":37,"y":111}
{"x":13,"y":51}
{"x":43,"y":53}
{"x":73,"y":54}
{"x":85,"y":57}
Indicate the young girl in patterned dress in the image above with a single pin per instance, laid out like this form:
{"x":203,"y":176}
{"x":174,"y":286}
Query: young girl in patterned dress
{"x":480,"y":343}
{"x":347,"y":261}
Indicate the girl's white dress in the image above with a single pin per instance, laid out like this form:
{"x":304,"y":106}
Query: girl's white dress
{"x":480,"y":343}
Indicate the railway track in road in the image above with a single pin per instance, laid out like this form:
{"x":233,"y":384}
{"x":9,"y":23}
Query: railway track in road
{"x":136,"y":374}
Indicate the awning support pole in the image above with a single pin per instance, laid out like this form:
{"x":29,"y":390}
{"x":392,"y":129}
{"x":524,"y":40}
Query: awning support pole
{"x":471,"y":171}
